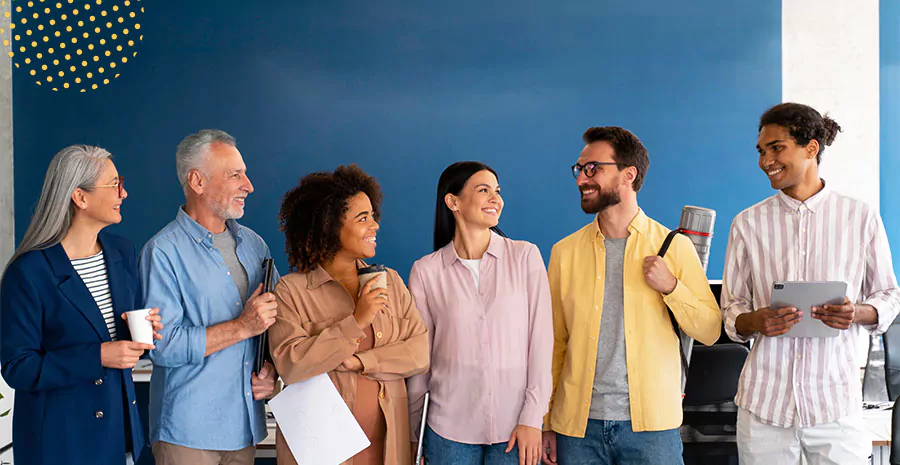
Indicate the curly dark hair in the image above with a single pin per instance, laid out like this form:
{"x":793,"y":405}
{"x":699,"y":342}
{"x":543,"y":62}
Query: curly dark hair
{"x":312,"y":214}
{"x":627,"y":150}
{"x":804,"y":124}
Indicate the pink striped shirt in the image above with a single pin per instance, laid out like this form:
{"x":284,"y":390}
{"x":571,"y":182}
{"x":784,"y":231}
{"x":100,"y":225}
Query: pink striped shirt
{"x":829,"y":237}
{"x":491,"y":346}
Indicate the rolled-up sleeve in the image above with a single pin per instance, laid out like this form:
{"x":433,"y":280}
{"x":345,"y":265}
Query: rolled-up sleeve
{"x":880,"y":283}
{"x":182,"y":344}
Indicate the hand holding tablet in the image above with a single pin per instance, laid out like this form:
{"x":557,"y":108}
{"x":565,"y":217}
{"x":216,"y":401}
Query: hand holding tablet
{"x":837,"y":316}
{"x":826,"y":302}
{"x":774,"y":322}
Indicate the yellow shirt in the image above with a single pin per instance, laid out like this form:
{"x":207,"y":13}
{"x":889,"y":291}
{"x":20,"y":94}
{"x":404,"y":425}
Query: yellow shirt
{"x":577,"y":276}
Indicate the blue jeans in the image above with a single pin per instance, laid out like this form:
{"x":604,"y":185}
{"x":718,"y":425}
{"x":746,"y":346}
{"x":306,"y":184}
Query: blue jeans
{"x":440,"y":451}
{"x":614,"y":443}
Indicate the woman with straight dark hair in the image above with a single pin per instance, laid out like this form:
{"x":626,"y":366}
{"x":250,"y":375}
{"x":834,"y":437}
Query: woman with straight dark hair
{"x":64,"y":344}
{"x":489,"y":393}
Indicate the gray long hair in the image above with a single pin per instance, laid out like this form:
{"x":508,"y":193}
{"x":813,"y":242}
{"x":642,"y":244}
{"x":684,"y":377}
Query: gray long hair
{"x":76,"y":166}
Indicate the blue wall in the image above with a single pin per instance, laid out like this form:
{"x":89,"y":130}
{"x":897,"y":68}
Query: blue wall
{"x":890,"y":124}
{"x":405,"y":88}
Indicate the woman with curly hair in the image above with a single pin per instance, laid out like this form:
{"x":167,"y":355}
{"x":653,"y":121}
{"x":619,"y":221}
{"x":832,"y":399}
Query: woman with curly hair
{"x":485,"y":300}
{"x":367,"y":339}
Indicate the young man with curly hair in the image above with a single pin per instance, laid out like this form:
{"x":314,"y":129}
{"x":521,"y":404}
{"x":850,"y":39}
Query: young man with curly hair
{"x":801,"y":396}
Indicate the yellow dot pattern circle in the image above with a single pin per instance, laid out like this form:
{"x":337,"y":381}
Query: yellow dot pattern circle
{"x":52,"y":24}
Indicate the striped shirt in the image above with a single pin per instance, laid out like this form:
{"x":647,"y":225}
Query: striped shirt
{"x":93,"y":272}
{"x":829,"y":237}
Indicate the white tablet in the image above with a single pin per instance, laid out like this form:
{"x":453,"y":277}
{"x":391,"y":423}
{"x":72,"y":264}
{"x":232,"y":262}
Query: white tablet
{"x":803,"y":296}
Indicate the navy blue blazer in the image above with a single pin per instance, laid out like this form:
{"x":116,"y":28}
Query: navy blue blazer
{"x":68,"y":408}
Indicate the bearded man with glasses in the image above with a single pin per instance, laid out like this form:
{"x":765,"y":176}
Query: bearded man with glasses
{"x":609,"y":290}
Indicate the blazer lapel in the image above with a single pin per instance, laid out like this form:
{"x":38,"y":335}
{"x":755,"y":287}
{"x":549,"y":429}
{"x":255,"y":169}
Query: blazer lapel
{"x":120,"y":278}
{"x":74,"y":289}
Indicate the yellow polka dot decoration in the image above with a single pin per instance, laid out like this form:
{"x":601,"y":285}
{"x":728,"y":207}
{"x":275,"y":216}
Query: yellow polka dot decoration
{"x":72,"y":45}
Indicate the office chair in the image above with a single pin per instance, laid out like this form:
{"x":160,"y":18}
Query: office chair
{"x":891,"y":339}
{"x":714,"y":373}
{"x":895,"y":437}
{"x":710,"y":416}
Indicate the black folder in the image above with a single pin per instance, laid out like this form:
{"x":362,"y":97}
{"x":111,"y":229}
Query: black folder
{"x":262,"y":346}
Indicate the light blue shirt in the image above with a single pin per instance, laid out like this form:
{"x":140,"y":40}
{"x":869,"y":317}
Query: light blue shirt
{"x":195,"y":401}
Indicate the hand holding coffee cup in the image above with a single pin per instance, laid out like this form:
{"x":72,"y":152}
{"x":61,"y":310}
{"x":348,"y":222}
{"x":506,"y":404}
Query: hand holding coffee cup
{"x":371,"y":300}
{"x":122,"y":355}
{"x":144,"y":325}
{"x":378,"y":273}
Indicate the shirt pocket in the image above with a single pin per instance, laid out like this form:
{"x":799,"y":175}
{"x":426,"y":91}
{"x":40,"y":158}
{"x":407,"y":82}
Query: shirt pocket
{"x":393,"y":329}
{"x":314,"y":328}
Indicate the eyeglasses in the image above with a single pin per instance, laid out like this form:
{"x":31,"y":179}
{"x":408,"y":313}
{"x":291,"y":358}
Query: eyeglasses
{"x":589,"y":168}
{"x":119,"y":185}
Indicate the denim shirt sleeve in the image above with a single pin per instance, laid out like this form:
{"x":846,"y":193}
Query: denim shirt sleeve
{"x":181,"y":344}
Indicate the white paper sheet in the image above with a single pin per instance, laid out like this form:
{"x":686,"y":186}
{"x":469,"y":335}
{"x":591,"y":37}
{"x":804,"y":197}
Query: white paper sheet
{"x":316,"y":423}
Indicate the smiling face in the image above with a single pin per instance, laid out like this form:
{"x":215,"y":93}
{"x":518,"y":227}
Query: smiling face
{"x":602,"y":190}
{"x":479,"y":203}
{"x":359,"y":231}
{"x":786,"y":163}
{"x":227,"y":185}
{"x":101,"y":204}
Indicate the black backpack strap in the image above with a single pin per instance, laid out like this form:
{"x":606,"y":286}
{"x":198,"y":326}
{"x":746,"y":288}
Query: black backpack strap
{"x":662,"y":253}
{"x":666,"y":243}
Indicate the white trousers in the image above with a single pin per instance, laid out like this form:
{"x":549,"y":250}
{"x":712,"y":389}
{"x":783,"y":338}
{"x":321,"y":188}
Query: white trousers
{"x":842,"y":442}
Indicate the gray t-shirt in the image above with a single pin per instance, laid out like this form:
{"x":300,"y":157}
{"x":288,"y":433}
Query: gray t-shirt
{"x":609,"y":399}
{"x":227,"y":247}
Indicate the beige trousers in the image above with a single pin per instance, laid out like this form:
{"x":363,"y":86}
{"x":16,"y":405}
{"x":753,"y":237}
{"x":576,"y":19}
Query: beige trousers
{"x":171,"y":454}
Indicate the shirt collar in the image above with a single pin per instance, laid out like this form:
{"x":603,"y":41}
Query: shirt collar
{"x":495,"y":249}
{"x":639,"y":224}
{"x":199,"y":233}
{"x":812,"y":204}
{"x":318,"y":276}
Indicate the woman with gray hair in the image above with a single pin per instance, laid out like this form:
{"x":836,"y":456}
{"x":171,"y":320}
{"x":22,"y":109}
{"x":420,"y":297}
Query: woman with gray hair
{"x":64,"y":346}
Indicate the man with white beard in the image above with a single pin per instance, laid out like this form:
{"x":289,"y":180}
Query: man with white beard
{"x":204,"y":272}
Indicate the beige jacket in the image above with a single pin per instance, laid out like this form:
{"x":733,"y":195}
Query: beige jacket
{"x":315,"y":332}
